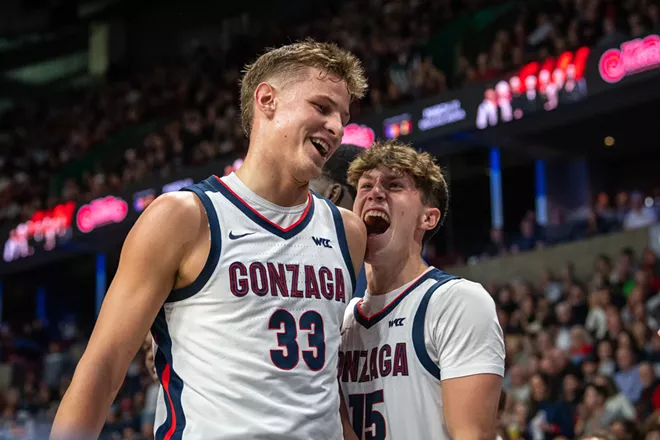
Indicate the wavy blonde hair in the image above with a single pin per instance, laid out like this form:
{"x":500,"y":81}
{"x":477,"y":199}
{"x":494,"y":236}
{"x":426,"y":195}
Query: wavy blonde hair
{"x":288,"y":61}
{"x":402,"y":158}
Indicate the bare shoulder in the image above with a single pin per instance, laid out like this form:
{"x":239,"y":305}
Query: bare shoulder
{"x":354,"y":226}
{"x":356,"y":235}
{"x":179,"y":213}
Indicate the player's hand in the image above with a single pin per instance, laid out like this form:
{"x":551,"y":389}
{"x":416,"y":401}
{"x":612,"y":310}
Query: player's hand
{"x":149,"y":357}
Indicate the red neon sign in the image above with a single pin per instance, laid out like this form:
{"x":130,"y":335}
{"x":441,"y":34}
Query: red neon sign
{"x":359,"y":135}
{"x":44,"y":226}
{"x":101,"y":212}
{"x":633,"y":57}
{"x":538,"y":75}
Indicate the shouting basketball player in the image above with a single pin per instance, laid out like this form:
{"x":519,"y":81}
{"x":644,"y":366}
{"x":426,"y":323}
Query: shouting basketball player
{"x":245,"y":278}
{"x":422,"y":354}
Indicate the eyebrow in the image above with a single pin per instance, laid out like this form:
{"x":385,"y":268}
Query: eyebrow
{"x":346,"y":116}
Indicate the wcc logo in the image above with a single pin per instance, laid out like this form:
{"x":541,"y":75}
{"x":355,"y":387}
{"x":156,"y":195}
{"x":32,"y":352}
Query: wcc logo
{"x":323,"y":242}
{"x":398,"y":322}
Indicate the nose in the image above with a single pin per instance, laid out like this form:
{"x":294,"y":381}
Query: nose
{"x":377,"y":193}
{"x":335,"y":126}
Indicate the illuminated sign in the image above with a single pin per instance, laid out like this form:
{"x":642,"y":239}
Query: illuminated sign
{"x":100,"y":212}
{"x":441,"y":114}
{"x":537,"y":86}
{"x":633,"y":57}
{"x":400,"y":125}
{"x":359,"y":135}
{"x":177,"y":185}
{"x":44,"y":229}
{"x":142,"y":199}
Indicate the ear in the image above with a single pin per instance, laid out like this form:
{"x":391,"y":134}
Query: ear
{"x":430,"y":218}
{"x":334,"y":193}
{"x":264,"y":99}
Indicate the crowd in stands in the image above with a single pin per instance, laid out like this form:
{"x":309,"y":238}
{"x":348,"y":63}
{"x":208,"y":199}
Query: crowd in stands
{"x":551,"y":28}
{"x":198,"y":94}
{"x":630,"y":211}
{"x":582,"y":357}
{"x":582,"y":353}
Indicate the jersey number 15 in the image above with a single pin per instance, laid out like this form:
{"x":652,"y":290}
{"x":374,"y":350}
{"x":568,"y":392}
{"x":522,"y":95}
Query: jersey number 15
{"x":368,"y":423}
{"x":288,"y":356}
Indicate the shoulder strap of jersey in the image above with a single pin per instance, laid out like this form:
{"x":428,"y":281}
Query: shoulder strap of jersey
{"x":420,"y":319}
{"x":186,"y":292}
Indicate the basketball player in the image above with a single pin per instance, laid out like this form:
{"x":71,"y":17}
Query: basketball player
{"x":422,"y":354}
{"x":332,"y":183}
{"x":244,"y":278}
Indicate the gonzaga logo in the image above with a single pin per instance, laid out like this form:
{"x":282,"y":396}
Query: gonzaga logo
{"x":634,"y":56}
{"x":359,"y":135}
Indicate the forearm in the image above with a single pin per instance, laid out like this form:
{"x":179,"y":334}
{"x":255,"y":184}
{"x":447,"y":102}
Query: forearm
{"x":473,"y":433}
{"x":84,"y":408}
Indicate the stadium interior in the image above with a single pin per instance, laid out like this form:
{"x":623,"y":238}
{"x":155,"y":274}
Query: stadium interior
{"x":542,"y":113}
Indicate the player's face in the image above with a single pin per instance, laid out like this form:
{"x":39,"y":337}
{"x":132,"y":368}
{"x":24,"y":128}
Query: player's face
{"x":391,"y":207}
{"x":309,"y":117}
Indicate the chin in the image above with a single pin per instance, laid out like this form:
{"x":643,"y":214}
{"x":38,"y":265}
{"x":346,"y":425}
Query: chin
{"x":378,"y":246}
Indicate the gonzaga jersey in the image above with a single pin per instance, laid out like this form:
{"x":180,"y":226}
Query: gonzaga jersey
{"x":250,"y":349}
{"x":398,"y":347}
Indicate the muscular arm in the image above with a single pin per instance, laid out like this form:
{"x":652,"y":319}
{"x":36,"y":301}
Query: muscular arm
{"x":151,"y":257}
{"x":356,"y":235}
{"x":470,"y":346}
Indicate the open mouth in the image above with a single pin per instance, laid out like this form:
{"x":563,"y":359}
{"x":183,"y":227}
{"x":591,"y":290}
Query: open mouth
{"x":377,"y":222}
{"x":321,"y":146}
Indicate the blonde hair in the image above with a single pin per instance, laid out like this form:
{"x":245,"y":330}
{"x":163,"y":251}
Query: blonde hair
{"x":289,"y":60}
{"x":404,"y":159}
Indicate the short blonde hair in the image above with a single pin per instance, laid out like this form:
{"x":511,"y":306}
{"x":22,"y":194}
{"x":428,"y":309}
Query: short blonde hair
{"x":289,"y":60}
{"x":404,"y":159}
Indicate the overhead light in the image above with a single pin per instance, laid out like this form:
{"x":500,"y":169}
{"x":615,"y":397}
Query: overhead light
{"x":609,"y":141}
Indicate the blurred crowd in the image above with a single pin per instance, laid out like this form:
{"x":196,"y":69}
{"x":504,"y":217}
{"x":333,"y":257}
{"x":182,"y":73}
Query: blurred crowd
{"x":583,"y":356}
{"x":197,"y":93}
{"x":550,"y":28}
{"x":629,"y":211}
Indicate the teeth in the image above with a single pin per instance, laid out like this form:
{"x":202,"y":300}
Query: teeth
{"x":375,"y":213}
{"x":322,"y":144}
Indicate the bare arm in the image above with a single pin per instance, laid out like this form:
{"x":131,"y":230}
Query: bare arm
{"x":148,"y":266}
{"x":470,"y":347}
{"x":470,"y":406}
{"x":349,"y":434}
{"x":356,"y":235}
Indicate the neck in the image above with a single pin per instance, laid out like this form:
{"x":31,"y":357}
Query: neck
{"x":270,"y":179}
{"x":396,"y":272}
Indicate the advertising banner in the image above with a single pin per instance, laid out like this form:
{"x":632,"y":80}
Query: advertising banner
{"x":86,"y":227}
{"x":623,"y":61}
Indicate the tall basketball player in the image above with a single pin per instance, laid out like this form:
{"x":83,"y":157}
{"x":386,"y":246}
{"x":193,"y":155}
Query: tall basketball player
{"x":245,"y":278}
{"x":422,"y":354}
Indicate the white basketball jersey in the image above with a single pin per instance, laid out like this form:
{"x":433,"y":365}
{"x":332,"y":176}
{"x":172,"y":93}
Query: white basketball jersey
{"x":250,"y":349}
{"x":398,"y":347}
